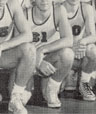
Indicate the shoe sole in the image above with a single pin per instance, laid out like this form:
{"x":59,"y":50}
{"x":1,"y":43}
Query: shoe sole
{"x":85,"y":98}
{"x":54,"y":105}
{"x":88,"y":99}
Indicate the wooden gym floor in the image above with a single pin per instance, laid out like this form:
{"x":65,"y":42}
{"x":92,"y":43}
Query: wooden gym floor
{"x":72,"y":102}
{"x":69,"y":106}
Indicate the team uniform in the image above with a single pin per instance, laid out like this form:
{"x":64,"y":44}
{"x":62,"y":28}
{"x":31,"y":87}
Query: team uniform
{"x":6,"y":27}
{"x":43,"y":33}
{"x":77,"y":22}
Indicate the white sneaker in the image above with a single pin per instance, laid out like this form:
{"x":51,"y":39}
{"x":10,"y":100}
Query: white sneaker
{"x":51,"y":94}
{"x":86,"y":91}
{"x":16,"y":105}
{"x":25,"y":97}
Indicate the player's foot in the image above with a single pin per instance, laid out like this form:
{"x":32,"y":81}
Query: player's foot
{"x":51,"y":94}
{"x":16,"y":105}
{"x":86,"y":91}
{"x":26,"y":96}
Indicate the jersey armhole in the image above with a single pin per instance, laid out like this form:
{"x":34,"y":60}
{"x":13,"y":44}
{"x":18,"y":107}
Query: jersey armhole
{"x":54,"y":16}
{"x":10,"y":12}
{"x":82,"y":12}
{"x":11,"y":15}
{"x":22,"y":3}
{"x":26,"y":13}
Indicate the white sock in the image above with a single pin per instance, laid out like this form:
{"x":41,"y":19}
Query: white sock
{"x":85,"y":77}
{"x":93,"y":74}
{"x":18,"y":89}
{"x":53,"y":82}
{"x":27,"y":92}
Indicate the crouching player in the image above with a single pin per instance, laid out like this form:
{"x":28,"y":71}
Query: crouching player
{"x":54,"y":54}
{"x":81,"y":18}
{"x":15,"y":51}
{"x":53,"y":39}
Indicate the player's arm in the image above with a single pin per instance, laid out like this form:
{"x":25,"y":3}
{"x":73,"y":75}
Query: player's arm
{"x":21,"y":24}
{"x":89,"y":25}
{"x":66,"y":38}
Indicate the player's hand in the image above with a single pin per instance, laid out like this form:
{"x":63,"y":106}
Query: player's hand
{"x":46,"y":68}
{"x":79,"y":50}
{"x":80,"y":55}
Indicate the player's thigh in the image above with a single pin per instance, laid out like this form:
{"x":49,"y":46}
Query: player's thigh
{"x":91,"y":51}
{"x":53,"y":57}
{"x":61,"y":56}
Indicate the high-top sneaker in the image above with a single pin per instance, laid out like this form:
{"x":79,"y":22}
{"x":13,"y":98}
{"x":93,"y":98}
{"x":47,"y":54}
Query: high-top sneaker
{"x":86,"y":91}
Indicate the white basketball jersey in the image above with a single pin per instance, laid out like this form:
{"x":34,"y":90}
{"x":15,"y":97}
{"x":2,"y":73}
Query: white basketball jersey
{"x":6,"y":25}
{"x":77,"y":23}
{"x":43,"y":33}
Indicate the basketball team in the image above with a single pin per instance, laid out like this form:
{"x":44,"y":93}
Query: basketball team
{"x":49,"y":39}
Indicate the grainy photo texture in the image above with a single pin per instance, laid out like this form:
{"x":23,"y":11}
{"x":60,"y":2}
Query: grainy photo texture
{"x":47,"y":56}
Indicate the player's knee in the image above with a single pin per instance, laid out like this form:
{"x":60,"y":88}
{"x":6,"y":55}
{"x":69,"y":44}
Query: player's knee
{"x":67,"y":55}
{"x":91,"y":51}
{"x":28,"y":49}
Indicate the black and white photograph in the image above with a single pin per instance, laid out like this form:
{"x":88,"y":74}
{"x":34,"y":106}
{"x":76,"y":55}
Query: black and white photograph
{"x":47,"y":56}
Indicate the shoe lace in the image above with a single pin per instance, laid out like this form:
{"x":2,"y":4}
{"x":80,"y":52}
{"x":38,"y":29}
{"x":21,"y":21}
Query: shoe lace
{"x":87,"y":88}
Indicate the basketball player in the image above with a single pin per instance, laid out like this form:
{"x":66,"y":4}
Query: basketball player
{"x":81,"y":18}
{"x":16,"y":52}
{"x":54,"y":54}
{"x":45,"y":21}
